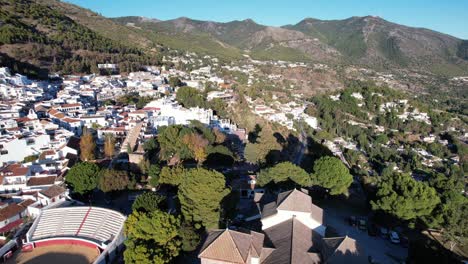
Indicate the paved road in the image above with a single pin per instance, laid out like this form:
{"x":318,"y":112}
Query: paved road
{"x":376,"y":247}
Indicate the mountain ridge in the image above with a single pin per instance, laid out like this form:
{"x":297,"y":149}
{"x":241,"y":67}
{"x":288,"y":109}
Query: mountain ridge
{"x":362,"y":40}
{"x":39,"y":38}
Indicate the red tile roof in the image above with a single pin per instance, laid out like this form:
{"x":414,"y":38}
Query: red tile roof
{"x":11,"y":225}
{"x":70,"y":105}
{"x":38,"y":181}
{"x":13,"y":170}
{"x":10,"y":211}
{"x":26,"y":203}
{"x":53,"y":191}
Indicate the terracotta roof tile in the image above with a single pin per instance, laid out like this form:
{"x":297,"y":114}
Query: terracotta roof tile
{"x":53,"y":191}
{"x":13,"y":170}
{"x":10,"y":211}
{"x":27,"y":202}
{"x":38,"y":181}
{"x":227,"y":245}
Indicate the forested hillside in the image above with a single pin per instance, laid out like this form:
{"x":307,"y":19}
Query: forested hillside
{"x":36,"y":39}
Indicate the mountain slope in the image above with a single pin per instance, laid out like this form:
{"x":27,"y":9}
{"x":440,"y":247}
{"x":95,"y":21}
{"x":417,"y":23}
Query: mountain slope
{"x":368,"y":41}
{"x":261,"y":42}
{"x":36,"y":37}
{"x":375,"y":41}
{"x":44,"y":35}
{"x":181,"y":35}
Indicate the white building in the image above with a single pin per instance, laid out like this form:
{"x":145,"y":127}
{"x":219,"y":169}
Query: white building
{"x":172,"y":112}
{"x":17,"y":148}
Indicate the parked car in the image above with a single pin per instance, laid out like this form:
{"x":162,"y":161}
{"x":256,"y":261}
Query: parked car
{"x":362,"y":224}
{"x":372,"y":230}
{"x":394,"y":237}
{"x":352,"y":221}
{"x":384,"y":232}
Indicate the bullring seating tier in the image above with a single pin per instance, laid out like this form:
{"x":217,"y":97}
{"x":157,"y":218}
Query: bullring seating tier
{"x":94,"y":223}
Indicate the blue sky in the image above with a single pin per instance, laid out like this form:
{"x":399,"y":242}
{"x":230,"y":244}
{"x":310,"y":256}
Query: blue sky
{"x":446,"y":16}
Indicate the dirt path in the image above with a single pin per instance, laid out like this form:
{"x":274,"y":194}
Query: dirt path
{"x":70,"y":254}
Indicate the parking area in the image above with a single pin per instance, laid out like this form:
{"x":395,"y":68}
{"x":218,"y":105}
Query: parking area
{"x":381,"y":250}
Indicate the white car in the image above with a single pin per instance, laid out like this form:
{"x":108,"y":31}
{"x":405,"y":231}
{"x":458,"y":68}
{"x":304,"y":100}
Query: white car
{"x":394,"y":238}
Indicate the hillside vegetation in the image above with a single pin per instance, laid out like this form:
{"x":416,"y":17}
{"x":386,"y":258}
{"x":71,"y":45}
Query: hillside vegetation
{"x":36,"y":39}
{"x":369,"y":41}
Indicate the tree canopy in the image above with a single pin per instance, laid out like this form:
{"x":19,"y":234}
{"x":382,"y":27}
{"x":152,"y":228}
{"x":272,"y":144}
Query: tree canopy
{"x":200,"y":195}
{"x":198,"y":145}
{"x":331,"y":173}
{"x":109,"y":145}
{"x":196,"y":141}
{"x":113,"y":180}
{"x":451,"y":214}
{"x":151,"y":237}
{"x":147,"y":202}
{"x":154,"y":171}
{"x":265,"y":143}
{"x":83,"y":177}
{"x":190,"y":97}
{"x":171,"y":143}
{"x":172,"y":175}
{"x":402,"y":196}
{"x":87,"y":145}
{"x":190,"y":237}
{"x":282,"y":172}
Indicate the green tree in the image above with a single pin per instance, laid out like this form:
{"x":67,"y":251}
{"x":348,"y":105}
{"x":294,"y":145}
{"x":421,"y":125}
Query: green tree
{"x":266,"y":143}
{"x":402,"y":196}
{"x":83,"y":177}
{"x":172,"y":175}
{"x":153,"y":172}
{"x":151,"y":147}
{"x":190,"y":97}
{"x":190,"y":237}
{"x":174,"y":82}
{"x":30,"y":158}
{"x":113,"y":180}
{"x":452,"y":213}
{"x":381,"y":139}
{"x":171,"y":142}
{"x":455,"y":231}
{"x":283,"y":172}
{"x":151,"y":237}
{"x":331,"y":173}
{"x":200,"y":195}
{"x":147,"y":202}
